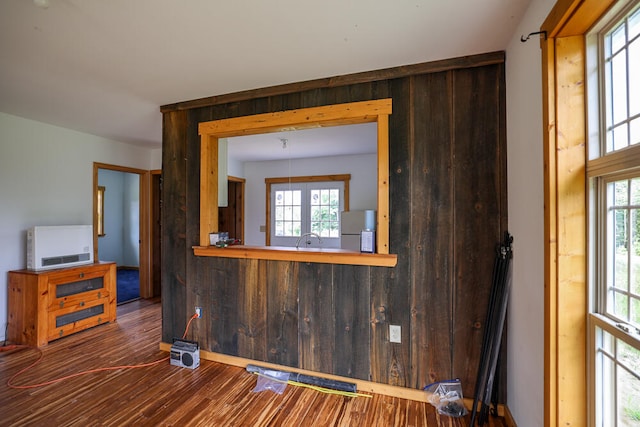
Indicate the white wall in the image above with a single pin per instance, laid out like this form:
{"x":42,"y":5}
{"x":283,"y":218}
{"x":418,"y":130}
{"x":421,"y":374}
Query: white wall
{"x":131,"y":218}
{"x":110,"y":245}
{"x":525,"y":394}
{"x":121,"y":218}
{"x":362,"y":187}
{"x":46,"y":178}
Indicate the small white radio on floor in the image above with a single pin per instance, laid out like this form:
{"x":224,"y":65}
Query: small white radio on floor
{"x":185,"y":354}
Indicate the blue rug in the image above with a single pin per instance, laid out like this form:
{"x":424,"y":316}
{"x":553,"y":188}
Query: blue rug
{"x":128,"y":285}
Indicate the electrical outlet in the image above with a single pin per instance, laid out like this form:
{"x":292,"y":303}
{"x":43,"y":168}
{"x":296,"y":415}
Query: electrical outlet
{"x":198,"y":312}
{"x":395,"y":333}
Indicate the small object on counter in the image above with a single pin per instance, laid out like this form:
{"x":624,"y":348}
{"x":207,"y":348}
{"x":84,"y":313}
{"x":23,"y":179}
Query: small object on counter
{"x":214,"y":238}
{"x":227,"y":242}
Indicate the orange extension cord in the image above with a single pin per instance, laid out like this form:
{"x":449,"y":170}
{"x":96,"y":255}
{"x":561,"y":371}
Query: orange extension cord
{"x":10,"y":382}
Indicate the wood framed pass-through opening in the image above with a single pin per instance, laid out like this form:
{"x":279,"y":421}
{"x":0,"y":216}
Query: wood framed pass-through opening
{"x":376,"y":111}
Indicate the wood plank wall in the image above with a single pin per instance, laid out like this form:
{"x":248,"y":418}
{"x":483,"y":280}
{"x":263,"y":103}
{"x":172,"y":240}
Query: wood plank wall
{"x":448,"y":197}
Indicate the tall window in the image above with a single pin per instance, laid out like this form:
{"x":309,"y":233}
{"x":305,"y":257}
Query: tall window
{"x":614,"y":177}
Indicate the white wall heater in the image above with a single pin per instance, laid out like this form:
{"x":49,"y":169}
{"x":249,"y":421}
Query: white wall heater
{"x":59,"y":246}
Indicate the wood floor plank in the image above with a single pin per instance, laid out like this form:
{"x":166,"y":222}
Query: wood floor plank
{"x":214,"y":394}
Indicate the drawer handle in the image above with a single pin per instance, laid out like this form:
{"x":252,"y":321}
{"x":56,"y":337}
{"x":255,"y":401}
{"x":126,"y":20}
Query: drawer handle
{"x":81,"y":275}
{"x":61,"y":333}
{"x":61,"y":304}
{"x":99,"y":294}
{"x":81,"y":303}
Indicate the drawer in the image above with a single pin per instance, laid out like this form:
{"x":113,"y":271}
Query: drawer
{"x":77,"y":317}
{"x":86,"y":288}
{"x":77,"y":273}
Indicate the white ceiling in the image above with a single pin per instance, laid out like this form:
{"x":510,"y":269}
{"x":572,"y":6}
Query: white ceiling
{"x":105,"y":67}
{"x":315,"y":142}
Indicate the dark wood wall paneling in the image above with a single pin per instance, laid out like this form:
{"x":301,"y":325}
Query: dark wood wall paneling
{"x":448,"y":212}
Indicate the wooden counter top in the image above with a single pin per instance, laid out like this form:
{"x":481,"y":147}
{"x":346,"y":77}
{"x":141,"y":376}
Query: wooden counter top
{"x":281,"y":253}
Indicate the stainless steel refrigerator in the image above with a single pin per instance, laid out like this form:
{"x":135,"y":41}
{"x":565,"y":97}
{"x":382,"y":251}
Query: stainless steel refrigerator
{"x":351,"y":225}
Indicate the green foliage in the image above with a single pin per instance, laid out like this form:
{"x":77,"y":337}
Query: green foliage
{"x":632,"y":409}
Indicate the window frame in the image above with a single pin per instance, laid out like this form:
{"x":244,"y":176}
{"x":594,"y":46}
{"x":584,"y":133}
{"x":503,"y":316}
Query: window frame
{"x":565,"y":230}
{"x":373,"y":111}
{"x":603,"y":168}
{"x":100,"y":210}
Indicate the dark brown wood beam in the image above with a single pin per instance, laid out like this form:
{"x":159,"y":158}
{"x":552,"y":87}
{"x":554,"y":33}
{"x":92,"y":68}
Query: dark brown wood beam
{"x":345,"y":80}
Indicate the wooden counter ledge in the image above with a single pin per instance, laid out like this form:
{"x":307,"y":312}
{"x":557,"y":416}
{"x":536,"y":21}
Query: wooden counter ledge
{"x":281,"y":253}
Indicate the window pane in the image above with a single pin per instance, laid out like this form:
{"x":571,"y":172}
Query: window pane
{"x":620,"y":137}
{"x":635,"y":192}
{"x":324,"y":197}
{"x":628,"y":401}
{"x":634,"y":25}
{"x":621,"y":86}
{"x":634,"y":137}
{"x":334,"y":214}
{"x":617,"y":381}
{"x":287,"y":213}
{"x":634,"y":82}
{"x":335,"y":229}
{"x":618,"y":39}
{"x":629,"y":357}
{"x":620,"y":254}
{"x":279,"y":229}
{"x":335,"y":198}
{"x":608,"y":107}
{"x":619,"y":68}
{"x":621,"y":192}
{"x":606,"y":389}
{"x":621,"y":305}
{"x":634,"y":316}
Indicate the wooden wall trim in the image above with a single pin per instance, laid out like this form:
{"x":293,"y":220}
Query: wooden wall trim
{"x":344,"y":80}
{"x":550,"y":227}
{"x":144,"y":225}
{"x":565,"y":156}
{"x":574,"y":17}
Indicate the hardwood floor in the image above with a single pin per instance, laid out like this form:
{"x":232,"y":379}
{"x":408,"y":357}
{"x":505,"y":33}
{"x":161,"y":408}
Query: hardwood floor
{"x":212,"y":395}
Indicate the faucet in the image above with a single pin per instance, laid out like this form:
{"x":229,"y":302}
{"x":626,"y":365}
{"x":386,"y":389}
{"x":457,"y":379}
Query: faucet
{"x":308,"y":242}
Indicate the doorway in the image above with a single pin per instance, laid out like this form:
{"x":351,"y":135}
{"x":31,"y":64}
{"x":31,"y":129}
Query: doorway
{"x":231,"y":217}
{"x":156,"y":233}
{"x":125,"y":236}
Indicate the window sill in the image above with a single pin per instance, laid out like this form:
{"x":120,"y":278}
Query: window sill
{"x":280,"y":253}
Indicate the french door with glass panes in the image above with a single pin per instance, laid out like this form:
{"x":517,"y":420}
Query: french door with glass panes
{"x":301,"y":208}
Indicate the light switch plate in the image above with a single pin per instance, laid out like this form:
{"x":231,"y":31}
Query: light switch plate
{"x":395,"y":333}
